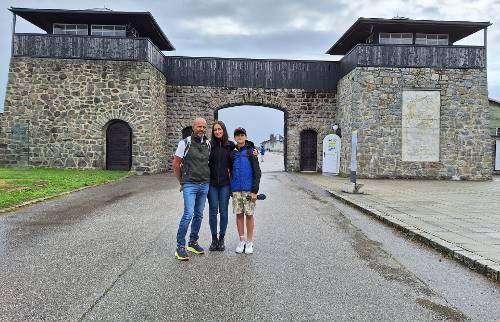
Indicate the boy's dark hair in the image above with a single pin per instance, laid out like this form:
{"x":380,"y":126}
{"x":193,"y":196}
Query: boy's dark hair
{"x":225,"y":136}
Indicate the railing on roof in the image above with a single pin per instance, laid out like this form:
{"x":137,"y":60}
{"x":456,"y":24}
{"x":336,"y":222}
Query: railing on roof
{"x":87,"y":47}
{"x":413,"y":56}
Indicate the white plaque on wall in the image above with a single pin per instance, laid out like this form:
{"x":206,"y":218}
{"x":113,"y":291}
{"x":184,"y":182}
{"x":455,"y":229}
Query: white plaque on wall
{"x":420,"y":125}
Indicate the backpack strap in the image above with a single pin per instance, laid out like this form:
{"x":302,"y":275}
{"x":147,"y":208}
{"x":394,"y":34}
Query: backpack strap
{"x":187,"y":142}
{"x":207,"y":141}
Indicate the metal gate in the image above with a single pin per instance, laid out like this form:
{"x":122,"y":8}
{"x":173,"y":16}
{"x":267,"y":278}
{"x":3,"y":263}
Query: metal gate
{"x":118,"y":146}
{"x":308,"y":150}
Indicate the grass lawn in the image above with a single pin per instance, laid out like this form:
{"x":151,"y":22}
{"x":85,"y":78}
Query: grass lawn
{"x":18,"y":185}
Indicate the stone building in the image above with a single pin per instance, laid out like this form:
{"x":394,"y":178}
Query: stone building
{"x":96,"y":91}
{"x":274,"y":144}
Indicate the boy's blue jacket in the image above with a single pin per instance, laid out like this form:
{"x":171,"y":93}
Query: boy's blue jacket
{"x":245,"y":174}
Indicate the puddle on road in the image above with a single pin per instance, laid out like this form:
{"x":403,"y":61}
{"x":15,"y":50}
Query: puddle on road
{"x":443,"y":312}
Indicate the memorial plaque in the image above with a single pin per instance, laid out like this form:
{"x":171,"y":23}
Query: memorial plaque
{"x":420,"y":125}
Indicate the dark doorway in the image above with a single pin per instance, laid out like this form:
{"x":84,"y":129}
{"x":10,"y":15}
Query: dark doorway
{"x":118,"y":146}
{"x":308,"y":150}
{"x":187,"y":131}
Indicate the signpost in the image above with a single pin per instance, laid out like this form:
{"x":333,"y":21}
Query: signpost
{"x":354,"y":163}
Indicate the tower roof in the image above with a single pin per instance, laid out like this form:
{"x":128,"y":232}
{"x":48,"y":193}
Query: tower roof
{"x":363,"y":27}
{"x":143,"y":22}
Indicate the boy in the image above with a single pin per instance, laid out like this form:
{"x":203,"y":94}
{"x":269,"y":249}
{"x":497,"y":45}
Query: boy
{"x":245,"y":179}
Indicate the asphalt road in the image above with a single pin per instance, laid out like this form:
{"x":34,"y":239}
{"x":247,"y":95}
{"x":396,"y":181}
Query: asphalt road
{"x":107,"y":253}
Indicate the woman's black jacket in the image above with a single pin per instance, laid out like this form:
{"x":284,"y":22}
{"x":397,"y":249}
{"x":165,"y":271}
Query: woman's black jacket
{"x":219,"y":162}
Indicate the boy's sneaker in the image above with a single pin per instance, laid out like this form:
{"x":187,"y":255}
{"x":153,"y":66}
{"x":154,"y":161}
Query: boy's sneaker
{"x":241,"y":247}
{"x":249,"y":248}
{"x":181,"y":254}
{"x":193,"y":247}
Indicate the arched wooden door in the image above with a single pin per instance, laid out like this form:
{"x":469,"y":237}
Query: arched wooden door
{"x":118,"y":146}
{"x":308,"y":150}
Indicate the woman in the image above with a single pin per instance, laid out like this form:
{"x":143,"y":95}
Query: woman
{"x":220,"y":178}
{"x":219,"y":191}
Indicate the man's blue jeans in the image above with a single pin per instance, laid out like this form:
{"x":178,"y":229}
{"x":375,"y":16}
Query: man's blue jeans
{"x":218,"y":201}
{"x":195,"y":196}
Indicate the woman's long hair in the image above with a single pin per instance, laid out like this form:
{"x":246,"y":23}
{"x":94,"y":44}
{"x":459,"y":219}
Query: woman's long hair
{"x":225,"y":136}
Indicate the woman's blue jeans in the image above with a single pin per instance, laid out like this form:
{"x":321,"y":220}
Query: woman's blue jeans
{"x":218,"y":202}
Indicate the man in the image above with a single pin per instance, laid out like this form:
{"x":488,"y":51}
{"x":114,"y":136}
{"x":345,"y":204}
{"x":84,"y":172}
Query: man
{"x":191,"y":170}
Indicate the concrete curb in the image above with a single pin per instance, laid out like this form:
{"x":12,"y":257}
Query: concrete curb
{"x":473,"y":261}
{"x":34,"y":201}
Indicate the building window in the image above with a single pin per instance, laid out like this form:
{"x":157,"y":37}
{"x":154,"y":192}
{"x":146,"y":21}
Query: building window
{"x":108,"y":30}
{"x":395,"y":38}
{"x":70,"y":29}
{"x":432,"y":39}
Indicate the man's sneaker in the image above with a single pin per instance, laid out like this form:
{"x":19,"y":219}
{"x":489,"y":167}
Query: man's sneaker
{"x":193,"y":247}
{"x":181,"y":254}
{"x":221,"y":247}
{"x":214,"y":245}
{"x":249,"y":248}
{"x":241,"y":247}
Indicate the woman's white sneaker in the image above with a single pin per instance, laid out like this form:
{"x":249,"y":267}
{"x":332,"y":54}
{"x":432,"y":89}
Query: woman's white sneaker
{"x":241,"y":247}
{"x":249,"y":248}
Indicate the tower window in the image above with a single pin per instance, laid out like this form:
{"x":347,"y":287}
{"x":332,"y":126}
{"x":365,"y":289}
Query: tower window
{"x":70,"y":29}
{"x":395,"y":38}
{"x":108,"y":30}
{"x":432,"y":39}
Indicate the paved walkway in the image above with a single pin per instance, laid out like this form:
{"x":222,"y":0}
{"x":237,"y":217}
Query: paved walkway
{"x":106,"y":254}
{"x":461,"y":217}
{"x":273,"y":162}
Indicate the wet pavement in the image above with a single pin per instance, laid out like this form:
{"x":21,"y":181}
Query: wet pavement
{"x":107,"y":253}
{"x":462,"y":216}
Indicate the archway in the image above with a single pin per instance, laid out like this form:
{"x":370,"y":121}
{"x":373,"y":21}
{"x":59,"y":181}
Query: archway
{"x":266,"y":126}
{"x":308,"y":150}
{"x":118,"y":146}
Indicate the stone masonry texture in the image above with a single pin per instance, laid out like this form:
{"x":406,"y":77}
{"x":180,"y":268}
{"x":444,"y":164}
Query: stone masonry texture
{"x":304,"y":110}
{"x":57,"y":112}
{"x":370,"y":101}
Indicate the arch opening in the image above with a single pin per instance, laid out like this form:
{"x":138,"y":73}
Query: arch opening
{"x":266,"y":127}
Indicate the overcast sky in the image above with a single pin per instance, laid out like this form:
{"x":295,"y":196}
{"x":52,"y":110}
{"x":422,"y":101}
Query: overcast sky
{"x":288,"y":29}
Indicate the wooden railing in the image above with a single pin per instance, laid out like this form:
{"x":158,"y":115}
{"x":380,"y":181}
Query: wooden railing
{"x":369,"y":55}
{"x":87,"y":47}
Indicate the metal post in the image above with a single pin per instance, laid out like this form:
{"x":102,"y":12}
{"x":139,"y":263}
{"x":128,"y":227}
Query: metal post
{"x":354,"y":163}
{"x":485,"y":43}
{"x":13,"y":32}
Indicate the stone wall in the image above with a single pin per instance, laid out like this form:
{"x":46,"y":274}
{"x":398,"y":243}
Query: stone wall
{"x":303,"y":110}
{"x":64,"y":105}
{"x":57,"y":112}
{"x":374,"y":98}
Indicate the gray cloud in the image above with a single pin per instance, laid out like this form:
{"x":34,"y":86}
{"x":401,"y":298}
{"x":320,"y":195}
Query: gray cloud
{"x":289,"y":29}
